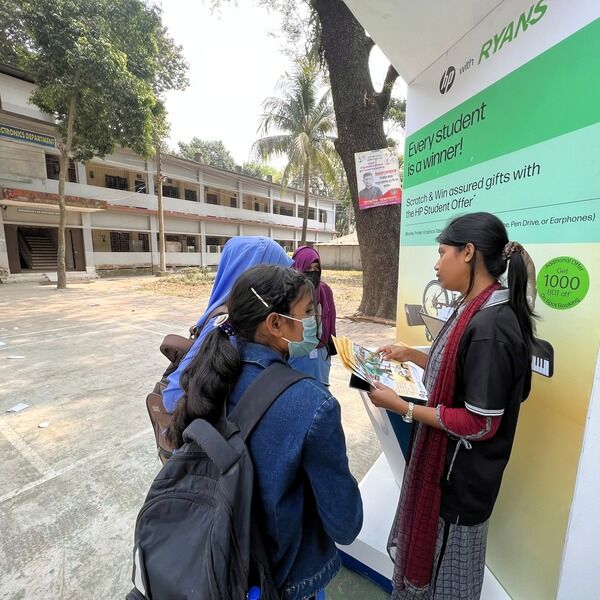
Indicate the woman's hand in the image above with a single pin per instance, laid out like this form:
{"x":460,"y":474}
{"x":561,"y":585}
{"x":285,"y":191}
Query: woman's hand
{"x":385,"y":397}
{"x":403,"y":353}
{"x":396,"y":352}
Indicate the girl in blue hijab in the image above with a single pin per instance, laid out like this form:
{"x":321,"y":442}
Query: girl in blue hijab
{"x":239,"y":255}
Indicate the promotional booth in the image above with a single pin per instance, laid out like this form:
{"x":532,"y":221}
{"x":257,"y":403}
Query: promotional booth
{"x":503,"y":115}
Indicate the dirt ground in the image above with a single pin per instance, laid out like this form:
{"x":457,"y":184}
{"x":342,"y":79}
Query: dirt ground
{"x":346,"y":287}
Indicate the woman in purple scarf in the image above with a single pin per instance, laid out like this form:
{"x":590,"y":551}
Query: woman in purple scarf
{"x":318,"y":362}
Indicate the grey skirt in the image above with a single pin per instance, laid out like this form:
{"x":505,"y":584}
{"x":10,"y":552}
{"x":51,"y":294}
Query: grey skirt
{"x":458,"y":566}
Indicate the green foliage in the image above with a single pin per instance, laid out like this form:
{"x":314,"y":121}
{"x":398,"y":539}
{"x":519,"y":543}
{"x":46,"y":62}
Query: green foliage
{"x":212,"y":153}
{"x":261,"y":171}
{"x":105,"y":62}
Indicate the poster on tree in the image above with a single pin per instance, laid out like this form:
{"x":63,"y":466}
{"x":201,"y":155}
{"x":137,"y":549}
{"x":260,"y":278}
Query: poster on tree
{"x":378,"y":178}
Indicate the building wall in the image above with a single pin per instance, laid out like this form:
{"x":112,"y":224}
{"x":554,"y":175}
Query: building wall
{"x":244,"y":205}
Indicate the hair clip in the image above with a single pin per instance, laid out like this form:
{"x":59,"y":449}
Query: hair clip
{"x":224,"y":324}
{"x":510,"y":249}
{"x":259,"y":297}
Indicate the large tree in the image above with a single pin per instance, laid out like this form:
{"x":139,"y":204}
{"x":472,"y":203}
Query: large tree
{"x":99,"y":67}
{"x":298,"y":124}
{"x":359,"y":112}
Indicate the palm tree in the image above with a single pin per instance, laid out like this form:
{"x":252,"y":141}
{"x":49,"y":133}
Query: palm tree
{"x":299,"y":125}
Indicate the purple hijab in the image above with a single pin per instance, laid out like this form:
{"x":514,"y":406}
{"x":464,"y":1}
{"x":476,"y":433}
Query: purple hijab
{"x":303,"y":258}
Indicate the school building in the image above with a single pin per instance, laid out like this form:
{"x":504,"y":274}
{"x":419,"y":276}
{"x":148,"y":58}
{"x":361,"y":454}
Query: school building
{"x":112,"y":208}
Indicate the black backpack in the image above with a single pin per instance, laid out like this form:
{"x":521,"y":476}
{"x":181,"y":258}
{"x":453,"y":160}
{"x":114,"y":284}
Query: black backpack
{"x":196,"y":537}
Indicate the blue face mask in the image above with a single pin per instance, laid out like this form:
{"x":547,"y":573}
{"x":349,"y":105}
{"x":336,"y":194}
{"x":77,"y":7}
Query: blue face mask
{"x":310,"y":338}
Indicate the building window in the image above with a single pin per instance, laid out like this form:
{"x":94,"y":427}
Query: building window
{"x":279,"y":208}
{"x":311,"y":212}
{"x":191,"y":195}
{"x":170,"y":191}
{"x":116,"y":183}
{"x":233,"y":202}
{"x":140,"y":186}
{"x":190,"y":243}
{"x":145,"y":239}
{"x":119,"y":241}
{"x":211,"y":198}
{"x":214,"y":244}
{"x":322,"y":216}
{"x":53,"y":168}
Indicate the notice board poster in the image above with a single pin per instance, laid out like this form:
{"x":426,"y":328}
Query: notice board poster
{"x":378,"y":178}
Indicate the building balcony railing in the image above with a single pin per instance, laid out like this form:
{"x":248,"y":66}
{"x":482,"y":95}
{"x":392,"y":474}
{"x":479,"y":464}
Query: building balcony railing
{"x":175,"y":205}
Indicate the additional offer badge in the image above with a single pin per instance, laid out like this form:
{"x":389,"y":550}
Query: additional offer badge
{"x":378,"y":178}
{"x":563,"y":282}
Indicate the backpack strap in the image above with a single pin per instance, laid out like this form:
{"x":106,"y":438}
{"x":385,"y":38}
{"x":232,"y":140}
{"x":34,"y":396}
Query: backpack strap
{"x":220,"y":452}
{"x":260,"y":395}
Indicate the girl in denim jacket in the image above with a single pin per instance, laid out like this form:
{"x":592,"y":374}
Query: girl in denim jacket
{"x":309,"y":500}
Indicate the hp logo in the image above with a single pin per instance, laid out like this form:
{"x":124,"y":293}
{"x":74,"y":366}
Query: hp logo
{"x":447,"y":79}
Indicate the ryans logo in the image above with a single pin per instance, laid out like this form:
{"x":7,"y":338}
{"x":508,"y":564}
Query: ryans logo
{"x":447,"y":79}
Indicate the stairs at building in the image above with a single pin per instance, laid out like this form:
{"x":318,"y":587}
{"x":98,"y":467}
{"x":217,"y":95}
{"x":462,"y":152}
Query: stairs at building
{"x":43,"y":252}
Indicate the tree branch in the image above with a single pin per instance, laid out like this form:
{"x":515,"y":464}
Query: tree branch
{"x":383,"y":98}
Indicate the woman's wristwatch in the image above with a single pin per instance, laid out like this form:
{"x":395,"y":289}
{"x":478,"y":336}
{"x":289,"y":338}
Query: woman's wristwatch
{"x":408,"y":417}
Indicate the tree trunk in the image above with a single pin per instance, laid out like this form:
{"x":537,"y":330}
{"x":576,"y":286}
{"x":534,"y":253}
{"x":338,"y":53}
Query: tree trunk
{"x":359,"y":113}
{"x":65,"y":152}
{"x":306,"y":198}
{"x":161,"y":212}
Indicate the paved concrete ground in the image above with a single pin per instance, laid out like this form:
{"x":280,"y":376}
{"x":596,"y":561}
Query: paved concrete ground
{"x":70,"y":492}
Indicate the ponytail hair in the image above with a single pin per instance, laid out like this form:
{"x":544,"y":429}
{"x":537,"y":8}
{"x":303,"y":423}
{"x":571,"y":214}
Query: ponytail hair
{"x":487,"y":233}
{"x":212,"y":374}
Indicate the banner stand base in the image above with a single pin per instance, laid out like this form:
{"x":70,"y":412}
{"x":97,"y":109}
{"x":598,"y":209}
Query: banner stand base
{"x":367,"y":555}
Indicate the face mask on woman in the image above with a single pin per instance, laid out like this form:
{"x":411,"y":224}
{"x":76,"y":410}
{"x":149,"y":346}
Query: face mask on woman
{"x":314,"y":277}
{"x":310,"y":338}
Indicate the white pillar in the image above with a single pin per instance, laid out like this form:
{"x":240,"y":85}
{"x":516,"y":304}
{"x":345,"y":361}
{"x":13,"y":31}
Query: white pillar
{"x":203,"y":257}
{"x":88,"y":244}
{"x":270,"y":201}
{"x":240,"y":201}
{"x":150,"y":170}
{"x":202,"y":197}
{"x":81,"y":174}
{"x":333,"y":224}
{"x":3,"y":247}
{"x":154,"y":242}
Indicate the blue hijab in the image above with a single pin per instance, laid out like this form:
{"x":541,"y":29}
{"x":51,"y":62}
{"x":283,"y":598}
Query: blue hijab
{"x":239,"y":255}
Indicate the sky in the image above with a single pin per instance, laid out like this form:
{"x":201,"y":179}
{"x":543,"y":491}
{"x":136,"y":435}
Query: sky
{"x":235,"y":62}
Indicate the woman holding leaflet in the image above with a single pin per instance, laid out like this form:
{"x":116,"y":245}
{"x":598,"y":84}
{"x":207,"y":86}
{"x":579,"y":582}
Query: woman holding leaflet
{"x":476,"y":374}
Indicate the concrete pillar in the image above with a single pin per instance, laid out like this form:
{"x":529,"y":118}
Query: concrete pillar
{"x":88,"y":244}
{"x":154,"y":243}
{"x":270,"y":201}
{"x":150,"y":170}
{"x":202,"y":197}
{"x":202,"y":243}
{"x":3,"y":248}
{"x":240,"y":229}
{"x":240,"y":201}
{"x":81,"y":174}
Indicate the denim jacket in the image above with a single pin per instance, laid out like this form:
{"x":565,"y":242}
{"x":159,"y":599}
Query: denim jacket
{"x":309,"y":498}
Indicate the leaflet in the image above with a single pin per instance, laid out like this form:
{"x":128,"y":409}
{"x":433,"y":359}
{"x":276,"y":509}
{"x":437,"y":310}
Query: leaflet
{"x":403,"y":377}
